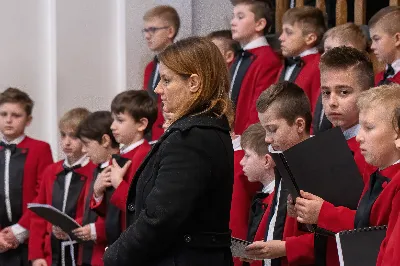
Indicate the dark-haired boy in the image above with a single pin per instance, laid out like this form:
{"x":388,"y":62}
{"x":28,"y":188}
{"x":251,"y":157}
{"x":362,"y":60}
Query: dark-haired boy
{"x":22,"y":161}
{"x":256,"y":66}
{"x":384,"y":29}
{"x":228,"y":47}
{"x":134,"y":112}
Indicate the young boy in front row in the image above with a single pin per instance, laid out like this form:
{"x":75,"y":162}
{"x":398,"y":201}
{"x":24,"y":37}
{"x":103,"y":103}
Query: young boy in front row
{"x":256,"y":67}
{"x":302,"y":32}
{"x":384,"y":30}
{"x":380,"y":202}
{"x":134,"y":113}
{"x":63,"y":186}
{"x":258,"y":166}
{"x":99,"y":145}
{"x":22,"y":161}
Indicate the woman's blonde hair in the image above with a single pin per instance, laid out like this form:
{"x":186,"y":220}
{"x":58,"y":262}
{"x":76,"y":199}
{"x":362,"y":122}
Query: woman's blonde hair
{"x":198,"y":55}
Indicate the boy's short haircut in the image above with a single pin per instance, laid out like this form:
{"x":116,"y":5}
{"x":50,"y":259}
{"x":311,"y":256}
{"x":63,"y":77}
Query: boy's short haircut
{"x":348,"y":33}
{"x":226,"y":37}
{"x":288,"y":100}
{"x":388,"y":19}
{"x":349,"y":58}
{"x":253,"y":138}
{"x":138,"y":104}
{"x":95,"y":126}
{"x":14,"y":95}
{"x":165,"y":13}
{"x":310,"y":20}
{"x":261,"y":9}
{"x":386,"y":96}
{"x":71,"y":119}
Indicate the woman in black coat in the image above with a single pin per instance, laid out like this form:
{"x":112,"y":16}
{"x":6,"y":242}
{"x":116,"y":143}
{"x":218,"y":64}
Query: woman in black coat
{"x":179,"y":200}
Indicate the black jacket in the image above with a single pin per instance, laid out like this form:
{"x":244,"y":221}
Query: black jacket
{"x":179,"y":201}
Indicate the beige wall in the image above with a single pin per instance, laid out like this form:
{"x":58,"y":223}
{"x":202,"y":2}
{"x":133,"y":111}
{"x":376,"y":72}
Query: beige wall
{"x":70,"y":53}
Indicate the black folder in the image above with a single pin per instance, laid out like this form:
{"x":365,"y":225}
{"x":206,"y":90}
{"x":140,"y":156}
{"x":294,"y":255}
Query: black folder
{"x":360,"y":246}
{"x":324,"y":166}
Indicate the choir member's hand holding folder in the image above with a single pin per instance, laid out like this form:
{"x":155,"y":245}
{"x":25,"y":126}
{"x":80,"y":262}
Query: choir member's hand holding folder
{"x":55,"y":217}
{"x":238,"y":249}
{"x":324,"y":166}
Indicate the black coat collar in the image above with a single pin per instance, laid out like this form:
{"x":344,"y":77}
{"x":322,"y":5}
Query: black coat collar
{"x":204,"y":121}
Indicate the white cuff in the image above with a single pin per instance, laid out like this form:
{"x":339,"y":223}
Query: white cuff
{"x":20,"y":233}
{"x":93,"y":233}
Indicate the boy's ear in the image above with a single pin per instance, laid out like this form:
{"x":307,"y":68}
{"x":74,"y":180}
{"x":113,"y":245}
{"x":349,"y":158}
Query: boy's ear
{"x":28,"y":120}
{"x":397,"y":39}
{"x":171,"y":32}
{"x":397,"y":141}
{"x":269,"y":162}
{"x":310,"y":38}
{"x":261,"y":24}
{"x":229,"y":56}
{"x":143,"y":124}
{"x":105,"y":141}
{"x":194,"y":83}
{"x":301,"y":125}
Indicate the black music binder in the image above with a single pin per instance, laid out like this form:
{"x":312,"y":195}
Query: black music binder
{"x":360,"y":246}
{"x":238,"y":248}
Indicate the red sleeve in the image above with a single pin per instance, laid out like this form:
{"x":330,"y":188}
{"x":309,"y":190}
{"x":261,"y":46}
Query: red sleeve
{"x":120,"y":194}
{"x":315,"y":91}
{"x":336,"y":219}
{"x":38,"y":228}
{"x":300,"y":249}
{"x":44,"y":159}
{"x":99,"y":207}
{"x":101,"y":230}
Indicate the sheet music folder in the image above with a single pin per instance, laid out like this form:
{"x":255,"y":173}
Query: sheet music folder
{"x":55,"y":217}
{"x":360,"y":246}
{"x":324,"y":166}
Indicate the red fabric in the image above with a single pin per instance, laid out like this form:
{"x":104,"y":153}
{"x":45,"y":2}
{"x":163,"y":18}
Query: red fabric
{"x":41,"y":230}
{"x":309,"y":78}
{"x":379,"y":77}
{"x":391,"y":256}
{"x":242,"y":195}
{"x":37,"y":159}
{"x":157,"y":129}
{"x":261,"y":74}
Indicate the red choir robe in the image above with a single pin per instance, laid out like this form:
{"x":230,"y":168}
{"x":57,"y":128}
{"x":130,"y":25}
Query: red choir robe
{"x":258,"y":76}
{"x":149,"y":72}
{"x":308,"y":78}
{"x":391,"y":256}
{"x":42,"y":243}
{"x":242,"y":194}
{"x":116,"y":199}
{"x":91,"y":252}
{"x":394,"y":79}
{"x":27,"y":162}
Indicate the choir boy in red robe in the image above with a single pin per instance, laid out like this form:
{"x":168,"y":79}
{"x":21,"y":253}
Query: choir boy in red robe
{"x":384,"y":29}
{"x":285,"y":114}
{"x":256,"y":66}
{"x":227,"y":46}
{"x":63,"y":186}
{"x":99,"y":145}
{"x":161,"y":25}
{"x":302,"y":32}
{"x":258,"y":166}
{"x":22,"y":161}
{"x":134,"y":113}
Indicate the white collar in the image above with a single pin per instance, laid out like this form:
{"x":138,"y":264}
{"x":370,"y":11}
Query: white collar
{"x":396,"y":67}
{"x":105,"y":164}
{"x":236,"y":144}
{"x":259,"y":42}
{"x":131,"y":147}
{"x":14,"y":141}
{"x":313,"y":50}
{"x":269,"y":188}
{"x":84,"y":160}
{"x":351,"y":132}
{"x":271,"y":150}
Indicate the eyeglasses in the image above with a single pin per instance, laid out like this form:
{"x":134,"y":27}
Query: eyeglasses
{"x":152,"y":30}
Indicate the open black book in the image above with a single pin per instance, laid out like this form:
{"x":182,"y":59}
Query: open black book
{"x":360,"y":246}
{"x":324,"y":166}
{"x":55,"y":217}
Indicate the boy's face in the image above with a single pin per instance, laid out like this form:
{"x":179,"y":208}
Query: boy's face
{"x":158,"y":34}
{"x":293,"y":42}
{"x":125,"y":129}
{"x":70,"y":144}
{"x":13,"y":120}
{"x":377,"y":137}
{"x":279,"y":134}
{"x":384,"y":45}
{"x":253,"y":165}
{"x":244,"y":26}
{"x":96,"y":152}
{"x":340,"y":90}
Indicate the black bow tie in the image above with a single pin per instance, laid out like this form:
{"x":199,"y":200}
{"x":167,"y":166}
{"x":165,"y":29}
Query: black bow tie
{"x":67,"y":169}
{"x":290,"y":61}
{"x":11,"y":147}
{"x":388,"y":72}
{"x":243,"y":53}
